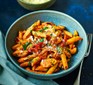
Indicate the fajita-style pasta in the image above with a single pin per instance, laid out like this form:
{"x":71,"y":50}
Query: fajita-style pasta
{"x":45,"y":48}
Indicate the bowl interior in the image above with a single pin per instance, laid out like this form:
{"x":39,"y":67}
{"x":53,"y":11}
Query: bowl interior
{"x":51,"y":16}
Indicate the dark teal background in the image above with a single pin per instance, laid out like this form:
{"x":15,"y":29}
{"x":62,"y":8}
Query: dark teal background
{"x":81,"y":10}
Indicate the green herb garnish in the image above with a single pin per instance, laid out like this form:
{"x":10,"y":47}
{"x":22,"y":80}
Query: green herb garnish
{"x":59,"y":49}
{"x":29,"y":63}
{"x":25,"y":45}
{"x":48,"y":44}
{"x":41,"y":40}
{"x":68,"y":50}
{"x":51,"y":34}
{"x":43,"y":29}
{"x":30,"y":45}
{"x":30,"y":31}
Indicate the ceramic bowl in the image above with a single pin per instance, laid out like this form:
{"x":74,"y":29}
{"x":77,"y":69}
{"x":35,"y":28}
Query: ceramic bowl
{"x":58,"y":18}
{"x":32,"y":6}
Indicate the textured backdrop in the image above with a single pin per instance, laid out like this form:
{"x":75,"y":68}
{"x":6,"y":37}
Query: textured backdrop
{"x":81,"y":10}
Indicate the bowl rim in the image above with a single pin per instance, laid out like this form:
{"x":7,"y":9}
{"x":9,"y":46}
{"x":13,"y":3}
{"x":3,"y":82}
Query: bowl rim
{"x":36,"y":4}
{"x":62,"y":73}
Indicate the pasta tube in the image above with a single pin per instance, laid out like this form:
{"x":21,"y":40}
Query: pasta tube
{"x":64,"y":61}
{"x":73,"y":40}
{"x":52,"y":69}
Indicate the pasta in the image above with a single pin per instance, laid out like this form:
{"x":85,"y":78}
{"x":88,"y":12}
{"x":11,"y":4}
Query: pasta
{"x":45,"y":48}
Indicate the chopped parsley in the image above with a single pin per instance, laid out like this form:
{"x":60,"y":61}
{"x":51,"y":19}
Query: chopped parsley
{"x":51,"y":34}
{"x":40,"y":30}
{"x":25,"y":45}
{"x":30,"y":31}
{"x":42,"y":40}
{"x":48,"y":44}
{"x":29,"y":63}
{"x":68,"y":50}
{"x":45,"y":28}
{"x":59,"y":49}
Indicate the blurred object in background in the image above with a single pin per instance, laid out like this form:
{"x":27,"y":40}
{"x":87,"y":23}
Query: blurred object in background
{"x":36,"y":4}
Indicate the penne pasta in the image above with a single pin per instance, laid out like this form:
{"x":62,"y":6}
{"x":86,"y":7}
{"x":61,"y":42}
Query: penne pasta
{"x":73,"y":51}
{"x":26,"y":58}
{"x":67,"y":52}
{"x":24,"y":64}
{"x":58,"y":33}
{"x":41,"y":68}
{"x":59,"y":27}
{"x":15,"y":46}
{"x":35,"y":61}
{"x":73,"y":40}
{"x":75,"y":33}
{"x":52,"y":69}
{"x":44,"y":47}
{"x":68,"y":33}
{"x":20,"y":36}
{"x":58,"y":40}
{"x":28,"y":69}
{"x":22,"y":53}
{"x":34,"y":67}
{"x":38,"y":34}
{"x":30,"y":28}
{"x":64,"y":61}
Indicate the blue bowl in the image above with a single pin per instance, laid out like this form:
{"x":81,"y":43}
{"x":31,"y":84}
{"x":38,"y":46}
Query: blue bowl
{"x":58,"y":18}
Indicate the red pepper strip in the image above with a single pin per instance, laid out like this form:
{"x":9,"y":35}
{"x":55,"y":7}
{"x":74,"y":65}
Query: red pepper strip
{"x":36,"y":47}
{"x":39,"y":45}
{"x":64,"y":41}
